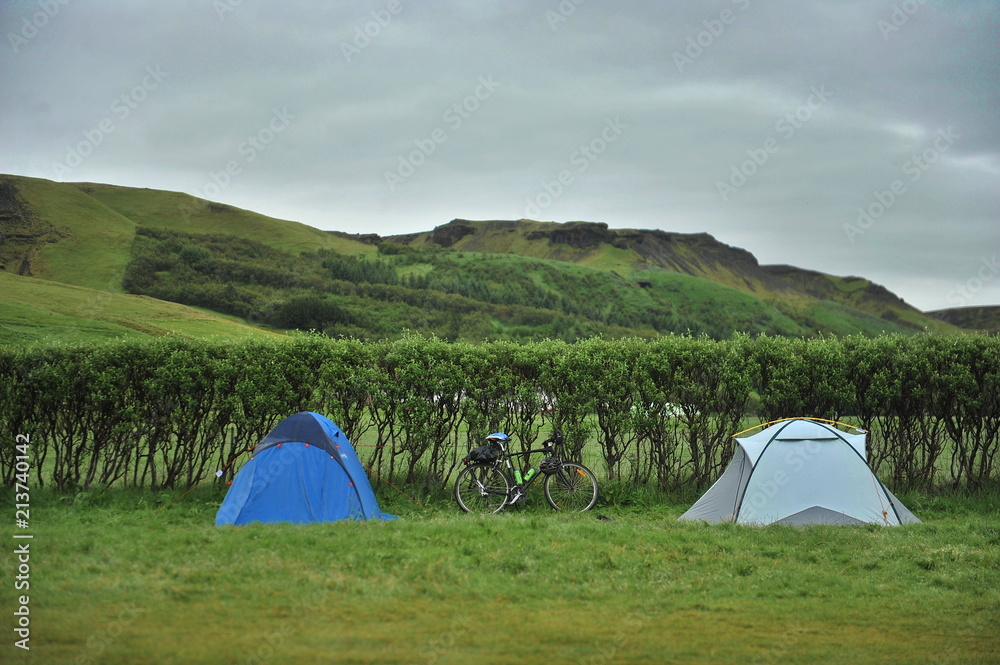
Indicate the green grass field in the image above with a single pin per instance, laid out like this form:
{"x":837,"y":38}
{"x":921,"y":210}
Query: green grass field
{"x":39,"y":311}
{"x":124,"y":576}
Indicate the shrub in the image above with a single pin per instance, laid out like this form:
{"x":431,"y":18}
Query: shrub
{"x":163,"y":413}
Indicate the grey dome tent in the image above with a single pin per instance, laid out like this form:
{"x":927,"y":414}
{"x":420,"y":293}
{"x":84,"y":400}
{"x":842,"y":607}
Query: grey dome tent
{"x":800,"y":471}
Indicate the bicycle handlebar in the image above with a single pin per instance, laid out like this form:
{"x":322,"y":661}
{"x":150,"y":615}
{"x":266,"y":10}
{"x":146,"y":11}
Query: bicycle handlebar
{"x":555,"y":440}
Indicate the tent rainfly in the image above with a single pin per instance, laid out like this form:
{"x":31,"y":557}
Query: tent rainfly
{"x":800,"y":471}
{"x":304,"y":471}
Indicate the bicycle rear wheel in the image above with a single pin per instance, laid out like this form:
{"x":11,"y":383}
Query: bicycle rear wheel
{"x":482,"y":489}
{"x":572,"y":487}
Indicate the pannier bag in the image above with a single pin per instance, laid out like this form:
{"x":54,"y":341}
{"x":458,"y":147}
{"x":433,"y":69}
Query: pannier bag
{"x":482,"y":455}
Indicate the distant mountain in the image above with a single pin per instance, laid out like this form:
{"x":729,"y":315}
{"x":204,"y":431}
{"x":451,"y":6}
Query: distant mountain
{"x":474,"y":280}
{"x":982,"y":318}
{"x":856,"y":292}
{"x":699,"y":255}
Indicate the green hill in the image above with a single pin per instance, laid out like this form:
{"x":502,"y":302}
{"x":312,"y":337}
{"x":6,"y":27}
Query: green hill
{"x":515,"y":280}
{"x":817,"y":301}
{"x":81,"y":233}
{"x":977,"y":318}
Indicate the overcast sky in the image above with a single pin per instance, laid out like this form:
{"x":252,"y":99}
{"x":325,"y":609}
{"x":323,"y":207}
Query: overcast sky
{"x":855,"y":137}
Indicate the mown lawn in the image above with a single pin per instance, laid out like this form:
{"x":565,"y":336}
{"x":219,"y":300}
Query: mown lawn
{"x":117,"y":578}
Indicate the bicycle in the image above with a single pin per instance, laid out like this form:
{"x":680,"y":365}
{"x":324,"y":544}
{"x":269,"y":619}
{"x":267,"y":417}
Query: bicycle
{"x":484,"y":485}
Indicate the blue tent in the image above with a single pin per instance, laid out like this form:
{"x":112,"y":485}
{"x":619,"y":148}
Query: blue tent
{"x":304,"y":471}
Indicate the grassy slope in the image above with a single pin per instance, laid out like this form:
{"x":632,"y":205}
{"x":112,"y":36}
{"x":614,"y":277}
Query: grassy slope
{"x":836,"y":309}
{"x":700,"y":299}
{"x":97,"y":247}
{"x":862,"y":294}
{"x":704,"y":299}
{"x":36,"y":310}
{"x":692,"y":294}
{"x":181,"y":212}
{"x":100,"y":221}
{"x":115,"y":581}
{"x":97,"y":224}
{"x":983,"y":318}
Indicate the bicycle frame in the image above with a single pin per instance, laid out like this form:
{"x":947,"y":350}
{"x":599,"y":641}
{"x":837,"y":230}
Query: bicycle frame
{"x":521,"y":486}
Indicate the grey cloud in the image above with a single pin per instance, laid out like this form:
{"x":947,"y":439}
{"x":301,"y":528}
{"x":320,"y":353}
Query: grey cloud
{"x":370,"y":83}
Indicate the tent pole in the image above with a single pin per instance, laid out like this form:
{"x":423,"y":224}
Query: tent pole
{"x":781,"y":420}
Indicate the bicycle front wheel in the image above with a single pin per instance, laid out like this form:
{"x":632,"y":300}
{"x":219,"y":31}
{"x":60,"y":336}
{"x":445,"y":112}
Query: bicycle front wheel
{"x":572,"y":487}
{"x":482,"y":489}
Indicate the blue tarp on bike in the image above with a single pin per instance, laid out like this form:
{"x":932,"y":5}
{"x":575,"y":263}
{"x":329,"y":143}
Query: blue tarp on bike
{"x":304,"y":471}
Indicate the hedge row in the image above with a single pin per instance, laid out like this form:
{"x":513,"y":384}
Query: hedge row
{"x":167,"y":413}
